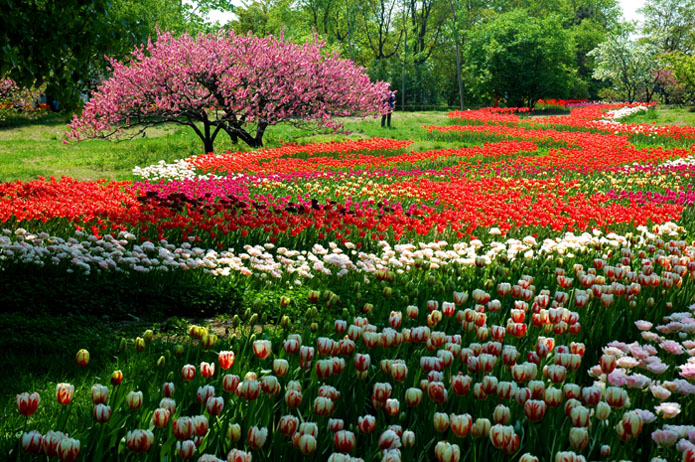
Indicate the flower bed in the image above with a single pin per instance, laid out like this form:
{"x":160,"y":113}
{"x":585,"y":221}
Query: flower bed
{"x":527,"y":296}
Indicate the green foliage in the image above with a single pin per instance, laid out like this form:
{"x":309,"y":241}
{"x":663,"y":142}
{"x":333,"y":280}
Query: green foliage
{"x":521,"y":58}
{"x":683,"y":69}
{"x":64,"y":43}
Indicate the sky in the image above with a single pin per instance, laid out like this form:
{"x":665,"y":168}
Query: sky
{"x":629,"y":7}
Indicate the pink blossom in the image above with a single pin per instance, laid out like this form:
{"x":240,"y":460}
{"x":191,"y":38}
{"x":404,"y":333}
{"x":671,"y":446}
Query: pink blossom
{"x":651,"y":336}
{"x":627,"y":362}
{"x":685,"y":445}
{"x":668,"y":410}
{"x":643,"y":325}
{"x":647,"y":416}
{"x":637,"y":381}
{"x":657,"y":367}
{"x":664,"y":437}
{"x":617,"y":378}
{"x":225,"y":82}
{"x":672,"y":347}
{"x":659,"y":392}
{"x":687,"y":371}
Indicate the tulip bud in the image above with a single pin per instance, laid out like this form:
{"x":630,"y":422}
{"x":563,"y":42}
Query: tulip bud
{"x":102,"y":413}
{"x":234,"y":432}
{"x":32,"y":442}
{"x":122,"y":345}
{"x":207,"y":370}
{"x":257,"y":437}
{"x":116,"y":378}
{"x":139,"y":440}
{"x":344,"y":441}
{"x":481,"y":428}
{"x":579,"y":438}
{"x":68,"y":449}
{"x":168,"y":404}
{"x":160,"y":418}
{"x":502,"y":414}
{"x":178,"y":350}
{"x":185,"y":449}
{"x":148,"y":335}
{"x":208,"y":341}
{"x":408,"y":439}
{"x":366,"y":424}
{"x":188,"y":372}
{"x":413,"y":397}
{"x":603,"y":410}
{"x":134,"y":400}
{"x":100,"y":394}
{"x":27,"y":403}
{"x":64,"y":393}
{"x":82,"y":358}
{"x":139,"y":344}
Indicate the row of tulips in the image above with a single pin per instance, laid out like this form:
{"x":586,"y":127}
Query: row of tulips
{"x":469,"y":377}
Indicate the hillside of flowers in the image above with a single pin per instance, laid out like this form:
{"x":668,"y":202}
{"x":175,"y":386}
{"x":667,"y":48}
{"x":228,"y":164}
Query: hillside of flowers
{"x":527,"y":296}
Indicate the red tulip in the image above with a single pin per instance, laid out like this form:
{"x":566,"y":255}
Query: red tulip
{"x":366,"y":424}
{"x":27,"y":403}
{"x":226,"y":359}
{"x":139,"y":440}
{"x":64,"y":393}
{"x":344,"y":441}
{"x":32,"y":442}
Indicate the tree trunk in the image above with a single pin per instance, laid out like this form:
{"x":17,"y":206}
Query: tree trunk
{"x":458,"y":53}
{"x":260,"y":131}
{"x":208,"y":145}
{"x":246,"y":137}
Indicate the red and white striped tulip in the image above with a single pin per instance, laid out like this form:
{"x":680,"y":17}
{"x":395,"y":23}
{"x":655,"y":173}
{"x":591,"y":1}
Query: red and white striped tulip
{"x":28,"y":403}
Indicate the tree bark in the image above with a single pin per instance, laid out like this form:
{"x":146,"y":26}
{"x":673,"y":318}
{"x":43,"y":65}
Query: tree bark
{"x":458,"y":53}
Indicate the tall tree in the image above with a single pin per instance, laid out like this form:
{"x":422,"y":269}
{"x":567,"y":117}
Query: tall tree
{"x":63,"y":43}
{"x":521,"y":58}
{"x":381,"y":34}
{"x":670,"y":24}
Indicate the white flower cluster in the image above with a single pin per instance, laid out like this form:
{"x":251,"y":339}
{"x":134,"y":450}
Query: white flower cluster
{"x":181,"y":169}
{"x":611,"y":119}
{"x":683,"y":161}
{"x":624,"y":112}
{"x":123,"y":253}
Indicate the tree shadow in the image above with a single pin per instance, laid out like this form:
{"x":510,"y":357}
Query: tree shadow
{"x":51,"y":119}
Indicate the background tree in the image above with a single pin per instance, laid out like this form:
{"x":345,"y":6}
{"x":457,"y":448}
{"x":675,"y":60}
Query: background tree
{"x":670,"y":24}
{"x":632,"y":66}
{"x":227,"y":83}
{"x":63,"y":43}
{"x":521,"y":58}
{"x":679,"y":76}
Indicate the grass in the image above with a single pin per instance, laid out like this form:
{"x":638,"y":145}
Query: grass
{"x":33,"y":149}
{"x":664,"y":115}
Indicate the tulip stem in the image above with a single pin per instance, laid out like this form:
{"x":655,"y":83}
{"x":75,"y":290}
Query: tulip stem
{"x":21,"y":435}
{"x":64,"y":417}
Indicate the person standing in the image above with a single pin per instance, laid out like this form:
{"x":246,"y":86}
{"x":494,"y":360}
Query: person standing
{"x":391,"y":101}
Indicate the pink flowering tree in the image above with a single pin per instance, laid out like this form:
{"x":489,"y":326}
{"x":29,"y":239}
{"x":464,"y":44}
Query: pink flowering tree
{"x":227,"y":83}
{"x":15,"y":99}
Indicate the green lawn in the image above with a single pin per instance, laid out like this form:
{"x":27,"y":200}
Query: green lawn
{"x":35,"y":148}
{"x":666,"y":115}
